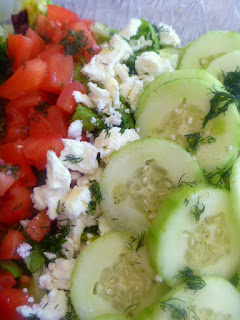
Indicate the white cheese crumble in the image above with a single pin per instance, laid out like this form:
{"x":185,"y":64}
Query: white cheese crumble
{"x":53,"y":306}
{"x":130,"y":29}
{"x":168,"y":37}
{"x":83,"y":98}
{"x":58,"y":176}
{"x":107,"y":143}
{"x":24,"y":250}
{"x":152,"y":64}
{"x":140,"y":44}
{"x":121,"y":72}
{"x":75,"y":130}
{"x":103,"y":226}
{"x":79,"y":156}
{"x":131,"y":90}
{"x":76,"y":202}
{"x":50,"y":255}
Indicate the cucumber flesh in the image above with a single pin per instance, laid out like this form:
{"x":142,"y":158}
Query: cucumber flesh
{"x":139,"y":176}
{"x":195,"y":228}
{"x":113,"y":317}
{"x":226,"y":63}
{"x":199,"y":53}
{"x":235,"y":189}
{"x":176,"y":75}
{"x":218,"y":300}
{"x":113,"y":276}
{"x":178,"y":108}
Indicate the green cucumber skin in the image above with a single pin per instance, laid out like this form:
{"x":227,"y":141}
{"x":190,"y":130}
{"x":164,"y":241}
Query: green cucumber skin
{"x":160,"y":225}
{"x":175,"y":75}
{"x":232,"y":37}
{"x":224,"y":291}
{"x":235,"y":189}
{"x":113,"y":317}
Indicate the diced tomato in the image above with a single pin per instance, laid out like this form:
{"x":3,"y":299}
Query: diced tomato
{"x":25,"y":80}
{"x":59,"y":72}
{"x":60,"y":14}
{"x":48,"y":29}
{"x":38,"y":43}
{"x":16,"y":129}
{"x":7,"y":179}
{"x":20,"y":49}
{"x":66,"y":100}
{"x":39,"y":226}
{"x":7,"y":280}
{"x":35,"y":149}
{"x":13,"y":153}
{"x":9,"y":245}
{"x":58,"y":120}
{"x":10,"y":299}
{"x":25,"y":281}
{"x":16,"y":205}
{"x":51,"y":49}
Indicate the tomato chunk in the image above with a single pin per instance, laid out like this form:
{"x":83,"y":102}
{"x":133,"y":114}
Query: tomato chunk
{"x":7,"y":280}
{"x":10,"y":299}
{"x":66,"y":100}
{"x":48,"y":29}
{"x":35,"y":149}
{"x":38,"y":43}
{"x":39,"y":226}
{"x":9,"y":245}
{"x":59,"y":72}
{"x":60,"y":14}
{"x":8,"y":176}
{"x":16,"y":205}
{"x":20,"y":49}
{"x":51,"y":49}
{"x":24,"y":80}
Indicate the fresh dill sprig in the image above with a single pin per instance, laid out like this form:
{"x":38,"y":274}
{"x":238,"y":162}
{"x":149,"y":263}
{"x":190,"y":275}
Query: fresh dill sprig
{"x":74,"y":42}
{"x":72,"y":159}
{"x":231,"y":82}
{"x":193,"y":140}
{"x":96,"y":196}
{"x":216,"y":178}
{"x":60,"y":208}
{"x":198,"y":210}
{"x":140,"y":241}
{"x":192,"y":281}
{"x":129,"y":244}
{"x":219,"y":103}
{"x":70,"y":314}
{"x":11,"y":170}
{"x":42,"y":108}
{"x":177,"y":312}
{"x":181,"y":183}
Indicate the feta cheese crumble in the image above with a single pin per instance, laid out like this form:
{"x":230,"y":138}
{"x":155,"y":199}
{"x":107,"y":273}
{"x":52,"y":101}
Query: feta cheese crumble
{"x":24,"y":250}
{"x":130,"y":29}
{"x":75,"y":130}
{"x":76,"y":202}
{"x":168,"y":37}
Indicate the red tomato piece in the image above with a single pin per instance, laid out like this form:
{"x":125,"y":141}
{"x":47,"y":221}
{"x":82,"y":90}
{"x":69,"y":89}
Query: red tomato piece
{"x":58,"y":120}
{"x":10,"y":299}
{"x":9,"y":245}
{"x":48,"y":29}
{"x":35,"y":149}
{"x":16,"y":205}
{"x":38,"y":43}
{"x":51,"y":49}
{"x":60,"y":14}
{"x":7,"y":280}
{"x":6,"y":178}
{"x":39,"y":226}
{"x":59,"y":72}
{"x":66,"y":100}
{"x":20,"y":49}
{"x":24,"y":80}
{"x":13,"y":153}
{"x":16,"y":129}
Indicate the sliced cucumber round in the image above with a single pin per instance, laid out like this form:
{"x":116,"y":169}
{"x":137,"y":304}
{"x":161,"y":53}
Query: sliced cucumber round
{"x":226,"y":63}
{"x":176,"y":111}
{"x":176,"y":75}
{"x":235,"y":189}
{"x":218,"y":300}
{"x":195,"y":228}
{"x":199,"y":53}
{"x":113,"y":276}
{"x":139,"y":176}
{"x":113,"y":317}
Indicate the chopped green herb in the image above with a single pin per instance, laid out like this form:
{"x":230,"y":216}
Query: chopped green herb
{"x":72,"y":159}
{"x":186,"y":202}
{"x":216,"y":178}
{"x":140,"y":241}
{"x":60,"y":208}
{"x":231,"y":81}
{"x":129,"y":244}
{"x":211,"y":139}
{"x":177,"y":312}
{"x":70,"y":314}
{"x":193,"y":140}
{"x":11,"y":170}
{"x":93,"y":230}
{"x":192,"y":281}
{"x":198,"y":210}
{"x":74,"y":42}
{"x":95,"y":195}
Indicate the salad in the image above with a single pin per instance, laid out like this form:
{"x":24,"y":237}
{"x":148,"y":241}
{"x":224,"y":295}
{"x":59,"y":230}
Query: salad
{"x":119,"y":170}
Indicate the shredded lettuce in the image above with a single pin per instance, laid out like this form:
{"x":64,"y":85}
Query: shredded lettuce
{"x":127,"y":118}
{"x":12,"y":267}
{"x":34,"y":8}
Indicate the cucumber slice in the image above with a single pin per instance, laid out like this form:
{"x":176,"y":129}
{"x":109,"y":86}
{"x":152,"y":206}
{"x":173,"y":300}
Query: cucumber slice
{"x":113,"y":276}
{"x":195,"y":228}
{"x":235,"y":188}
{"x":218,"y":300}
{"x":113,"y":317}
{"x":226,"y":63}
{"x":199,"y":53}
{"x":178,"y":108}
{"x":176,"y":75}
{"x":139,"y":176}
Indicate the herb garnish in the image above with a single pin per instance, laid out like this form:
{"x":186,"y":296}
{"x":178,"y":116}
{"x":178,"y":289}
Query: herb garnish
{"x":192,"y":281}
{"x":177,"y":312}
{"x":193,"y":140}
{"x":129,"y":244}
{"x":70,"y":314}
{"x":219,"y":103}
{"x":10,"y":170}
{"x":216,"y":178}
{"x":60,"y":208}
{"x":140,"y":241}
{"x":96,"y":196}
{"x":231,"y":82}
{"x":72,"y":159}
{"x":198,"y":210}
{"x":74,"y":41}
